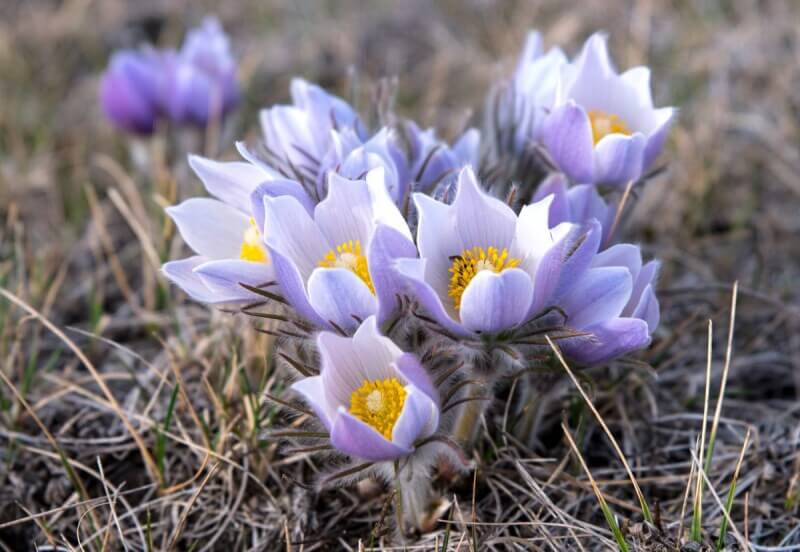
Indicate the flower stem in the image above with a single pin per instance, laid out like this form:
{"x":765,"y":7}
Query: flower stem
{"x":466,"y":426}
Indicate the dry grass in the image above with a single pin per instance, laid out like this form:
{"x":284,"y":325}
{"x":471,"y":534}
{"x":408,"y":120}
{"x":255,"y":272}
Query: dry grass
{"x":87,"y":456}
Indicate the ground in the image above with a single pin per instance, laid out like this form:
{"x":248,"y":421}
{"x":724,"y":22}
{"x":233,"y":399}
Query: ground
{"x":130,"y":415}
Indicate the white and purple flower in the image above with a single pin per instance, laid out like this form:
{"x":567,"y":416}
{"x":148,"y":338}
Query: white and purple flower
{"x":327,"y":262}
{"x":222,"y":232}
{"x":376,"y":401}
{"x":484,"y":269}
{"x":615,"y":302}
{"x":603,"y":128}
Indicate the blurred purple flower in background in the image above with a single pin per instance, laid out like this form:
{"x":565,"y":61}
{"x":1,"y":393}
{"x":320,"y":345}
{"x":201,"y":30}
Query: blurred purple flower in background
{"x":194,"y":85}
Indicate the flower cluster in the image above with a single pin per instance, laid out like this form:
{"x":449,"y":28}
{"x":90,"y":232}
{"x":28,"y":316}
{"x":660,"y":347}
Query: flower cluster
{"x":190,"y":86}
{"x":391,"y":252}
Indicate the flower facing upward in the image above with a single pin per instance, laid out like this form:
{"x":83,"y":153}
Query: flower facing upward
{"x":375,"y":400}
{"x":327,"y":263}
{"x":603,"y":128}
{"x":482,"y":268}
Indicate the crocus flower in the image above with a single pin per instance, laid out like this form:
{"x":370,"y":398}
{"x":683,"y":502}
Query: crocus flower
{"x":201,"y":77}
{"x":375,"y":401}
{"x":482,"y":268}
{"x":603,"y":128}
{"x":130,"y":90}
{"x":615,"y":302}
{"x":523,"y":103}
{"x":222,"y":232}
{"x":325,"y":255}
{"x":578,"y":204}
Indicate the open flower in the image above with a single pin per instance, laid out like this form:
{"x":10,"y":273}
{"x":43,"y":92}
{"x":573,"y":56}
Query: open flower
{"x":615,"y":302}
{"x":222,"y":231}
{"x":326,"y":261}
{"x":375,"y":400}
{"x":603,"y":128}
{"x":482,"y":268}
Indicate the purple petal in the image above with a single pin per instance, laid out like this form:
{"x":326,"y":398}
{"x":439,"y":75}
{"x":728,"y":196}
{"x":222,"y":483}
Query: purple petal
{"x":224,"y":277}
{"x":493,"y":302}
{"x":386,"y":245}
{"x":231,"y":182}
{"x":619,"y":158}
{"x":341,"y":297}
{"x":648,"y":309}
{"x":412,"y":370}
{"x":352,"y":436}
{"x":567,"y":135}
{"x":418,"y":419}
{"x":555,"y":185}
{"x":610,"y":339}
{"x":292,"y":288}
{"x":182,"y":274}
{"x":655,"y":142}
{"x":599,"y":296}
{"x":314,"y":394}
{"x":413,"y":271}
{"x":277,"y":188}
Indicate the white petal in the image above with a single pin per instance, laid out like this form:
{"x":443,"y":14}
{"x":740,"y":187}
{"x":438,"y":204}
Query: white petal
{"x":210,"y":227}
{"x":231,"y":182}
{"x":289,"y":229}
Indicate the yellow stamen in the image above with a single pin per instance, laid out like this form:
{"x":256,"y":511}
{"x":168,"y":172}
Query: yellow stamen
{"x":378,"y":403}
{"x":252,"y":248}
{"x":604,"y":124}
{"x":348,"y":255}
{"x":471,"y":261}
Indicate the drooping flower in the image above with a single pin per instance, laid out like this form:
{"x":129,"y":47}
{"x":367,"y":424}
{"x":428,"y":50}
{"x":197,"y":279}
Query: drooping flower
{"x":603,"y":128}
{"x":327,"y":262}
{"x":375,"y":400}
{"x":482,"y":268}
{"x":130,"y":90}
{"x":222,"y":232}
{"x":614,"y":302}
{"x":201,"y":78}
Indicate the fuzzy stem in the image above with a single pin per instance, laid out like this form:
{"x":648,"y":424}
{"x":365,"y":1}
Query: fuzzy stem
{"x":414,"y":497}
{"x":466,"y":426}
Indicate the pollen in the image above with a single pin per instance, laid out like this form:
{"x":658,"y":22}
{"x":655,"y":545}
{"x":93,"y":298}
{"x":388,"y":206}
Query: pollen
{"x":252,"y":248}
{"x":604,"y":124}
{"x":471,"y":261}
{"x":348,"y":255}
{"x":378,"y":403}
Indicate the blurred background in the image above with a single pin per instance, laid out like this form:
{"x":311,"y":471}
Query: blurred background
{"x":82,"y":234}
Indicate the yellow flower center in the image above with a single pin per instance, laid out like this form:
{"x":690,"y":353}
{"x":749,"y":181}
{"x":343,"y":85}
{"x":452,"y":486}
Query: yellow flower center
{"x":379,"y":403}
{"x":471,"y":261}
{"x":348,"y":255}
{"x":604,"y":124}
{"x":252,"y":248}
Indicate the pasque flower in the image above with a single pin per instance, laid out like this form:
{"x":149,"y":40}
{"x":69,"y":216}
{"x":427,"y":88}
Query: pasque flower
{"x":130,"y":90}
{"x":375,"y":400}
{"x":484,"y":269}
{"x":327,"y":262}
{"x":615,"y":303}
{"x":201,"y":78}
{"x":222,"y":232}
{"x":603,"y":128}
{"x":191,"y":85}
